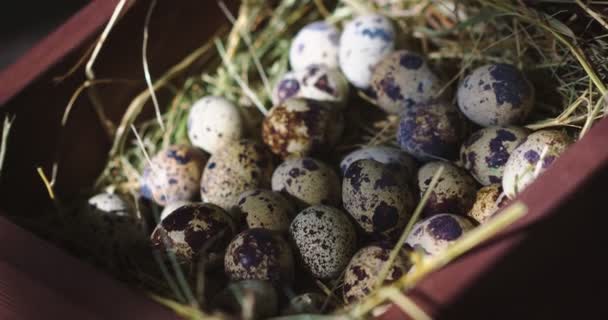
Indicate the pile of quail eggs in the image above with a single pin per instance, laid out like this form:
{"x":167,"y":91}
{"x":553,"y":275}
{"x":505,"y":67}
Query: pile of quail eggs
{"x":276,"y":211}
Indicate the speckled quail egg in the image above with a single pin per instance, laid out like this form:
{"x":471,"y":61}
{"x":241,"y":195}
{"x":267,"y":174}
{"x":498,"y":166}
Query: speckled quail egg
{"x":191,"y":228}
{"x":307,"y":182}
{"x":308,"y":303}
{"x":325,"y":240}
{"x":301,"y":127}
{"x":263,"y":295}
{"x":174,"y":174}
{"x":259,"y":254}
{"x":523,"y":165}
{"x":113,"y":224}
{"x":364,"y":269}
{"x":170,"y":207}
{"x":214,"y":122}
{"x":265,"y":209}
{"x":489,"y":200}
{"x":234,"y":169}
{"x":377,"y":196}
{"x":403,"y":79}
{"x":434,"y":234}
{"x":485,"y":153}
{"x":496,"y":95}
{"x":316,"y":43}
{"x":364,"y":42}
{"x":455,"y":190}
{"x":383,"y":154}
{"x":313,"y":82}
{"x":431,"y":131}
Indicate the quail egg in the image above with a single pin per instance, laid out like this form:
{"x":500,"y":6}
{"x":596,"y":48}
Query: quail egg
{"x":173,"y":175}
{"x":431,"y":131}
{"x":313,"y":82}
{"x":434,"y":234}
{"x":307,"y":182}
{"x":316,"y":43}
{"x":308,"y":303}
{"x":403,"y":79}
{"x":113,"y":224}
{"x":170,"y":207}
{"x":377,"y":196}
{"x":489,"y":200}
{"x":455,"y":190}
{"x":214,"y":122}
{"x":496,"y":95}
{"x":364,"y":269}
{"x":325,"y":240}
{"x":523,"y":165}
{"x":189,"y":229}
{"x":301,"y":127}
{"x":485,"y":153}
{"x":263,"y":295}
{"x":363,"y":43}
{"x":259,"y":254}
{"x":383,"y":154}
{"x":238,"y":167}
{"x":265,"y":209}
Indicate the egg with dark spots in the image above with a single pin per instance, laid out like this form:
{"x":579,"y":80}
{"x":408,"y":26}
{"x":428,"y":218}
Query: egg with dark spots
{"x":377,"y":196}
{"x":214,"y":122}
{"x":112,"y":225}
{"x":263,"y":295}
{"x":317,"y":43}
{"x":383,"y":154}
{"x":307,"y":182}
{"x":403,"y":79}
{"x":364,"y":42}
{"x":496,"y":95}
{"x":302,"y":127}
{"x":455,"y":190}
{"x":362,"y":272}
{"x":531,"y":158}
{"x":234,"y":169}
{"x":325,"y":240}
{"x":489,"y":200}
{"x":189,"y":229}
{"x":314,"y":82}
{"x":259,"y":254}
{"x":431,"y":131}
{"x":485,"y":153}
{"x":170,"y":207}
{"x":309,"y":303}
{"x":174,"y":174}
{"x":265,"y":209}
{"x":434,"y":234}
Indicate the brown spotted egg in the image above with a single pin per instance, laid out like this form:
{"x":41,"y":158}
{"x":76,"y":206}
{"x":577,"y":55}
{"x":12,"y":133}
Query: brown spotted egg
{"x":173,"y":174}
{"x":531,"y":158}
{"x":307,"y":182}
{"x":485,"y":153}
{"x":170,"y":207}
{"x":325,"y":239}
{"x":214,"y":122}
{"x":190,"y":228}
{"x":314,"y":82}
{"x":265,"y":209}
{"x":364,"y":269}
{"x":489,"y":200}
{"x":301,"y":127}
{"x":403,"y":79}
{"x":377,"y":196}
{"x":259,"y":254}
{"x":496,"y":95}
{"x":432,"y":130}
{"x":434,"y":234}
{"x":234,"y":169}
{"x":455,"y":190}
{"x":383,"y":154}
